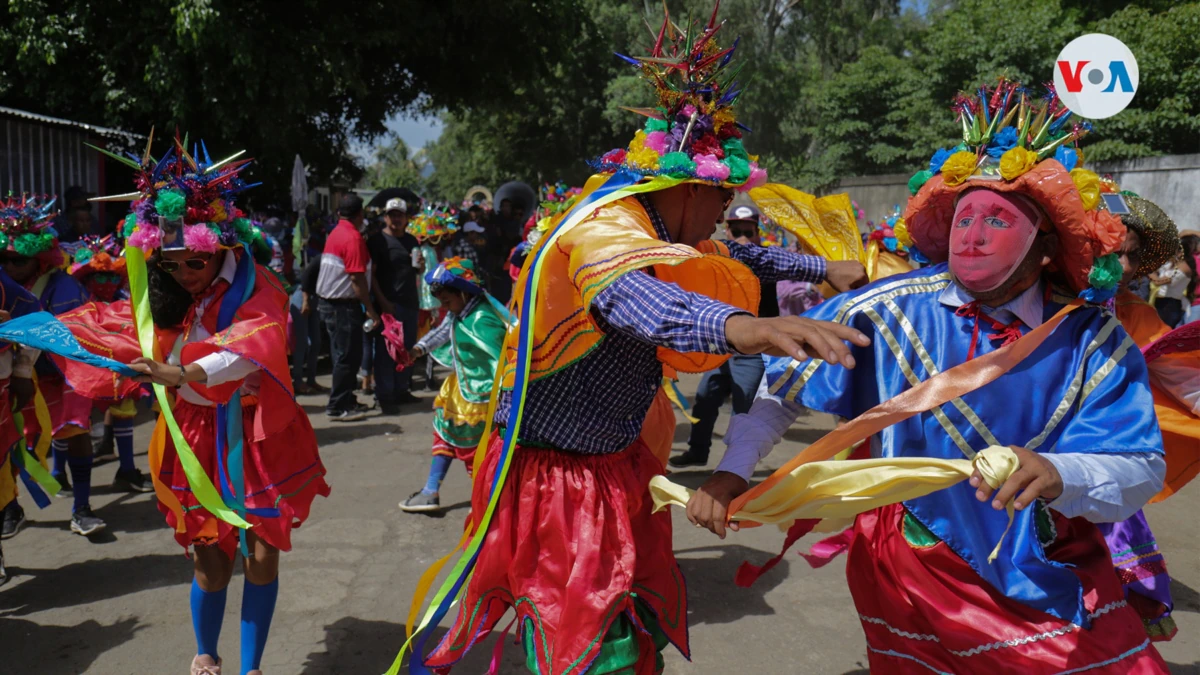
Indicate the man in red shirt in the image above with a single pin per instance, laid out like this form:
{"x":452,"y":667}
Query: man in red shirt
{"x":344,"y":293}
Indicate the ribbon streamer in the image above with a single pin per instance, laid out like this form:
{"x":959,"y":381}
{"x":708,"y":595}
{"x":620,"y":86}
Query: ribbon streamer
{"x":618,"y":186}
{"x":197,"y":478}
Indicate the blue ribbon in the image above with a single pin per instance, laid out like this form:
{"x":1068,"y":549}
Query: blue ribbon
{"x":230,"y":438}
{"x":618,"y":181}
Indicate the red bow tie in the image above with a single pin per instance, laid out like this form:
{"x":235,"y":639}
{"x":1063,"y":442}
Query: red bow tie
{"x":1006,"y":333}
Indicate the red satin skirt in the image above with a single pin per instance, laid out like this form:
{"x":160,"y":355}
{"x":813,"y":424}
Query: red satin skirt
{"x":572,"y":545}
{"x":925,"y":610}
{"x":70,"y":413}
{"x":282,"y":472}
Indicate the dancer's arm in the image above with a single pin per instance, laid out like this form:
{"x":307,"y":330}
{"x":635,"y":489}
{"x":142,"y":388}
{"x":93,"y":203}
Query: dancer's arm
{"x":665,"y":315}
{"x":772,"y":263}
{"x":1106,"y":488}
{"x":434,"y":338}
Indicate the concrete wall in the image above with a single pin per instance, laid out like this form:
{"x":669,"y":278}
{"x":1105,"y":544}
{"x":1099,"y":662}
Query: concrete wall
{"x":1172,"y":182}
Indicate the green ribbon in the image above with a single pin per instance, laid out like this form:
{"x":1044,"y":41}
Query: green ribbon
{"x":206,"y":493}
{"x":31,"y":464}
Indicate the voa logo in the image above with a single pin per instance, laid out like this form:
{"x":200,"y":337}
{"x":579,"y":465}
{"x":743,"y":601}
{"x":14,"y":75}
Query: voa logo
{"x":1096,"y":76}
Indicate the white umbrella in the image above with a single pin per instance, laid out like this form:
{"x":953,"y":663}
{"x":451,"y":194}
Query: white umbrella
{"x":299,"y":186}
{"x":299,"y":205}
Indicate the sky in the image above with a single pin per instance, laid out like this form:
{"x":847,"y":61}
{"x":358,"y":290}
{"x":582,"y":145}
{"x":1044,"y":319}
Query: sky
{"x":416,"y":131}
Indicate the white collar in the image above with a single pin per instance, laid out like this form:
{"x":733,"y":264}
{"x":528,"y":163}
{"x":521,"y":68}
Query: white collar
{"x":1028,"y":306}
{"x":228,"y":267}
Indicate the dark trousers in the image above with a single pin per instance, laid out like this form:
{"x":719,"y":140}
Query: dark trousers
{"x":344,"y":321}
{"x":739,"y":376}
{"x":388,"y":382}
{"x":306,"y":341}
{"x":1170,"y":310}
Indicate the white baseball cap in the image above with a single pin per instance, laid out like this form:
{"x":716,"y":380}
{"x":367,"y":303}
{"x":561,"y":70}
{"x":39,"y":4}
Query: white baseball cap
{"x":396,"y":204}
{"x":743,"y":212}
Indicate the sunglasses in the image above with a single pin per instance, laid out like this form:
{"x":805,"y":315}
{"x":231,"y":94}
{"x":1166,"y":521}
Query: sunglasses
{"x":173,"y":266}
{"x":736,"y":232}
{"x":728,"y":199}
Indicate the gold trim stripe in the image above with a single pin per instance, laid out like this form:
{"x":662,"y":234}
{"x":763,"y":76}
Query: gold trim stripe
{"x":931,"y":368}
{"x":1076,"y":382}
{"x":906,"y":368}
{"x":1107,"y":368}
{"x":886,"y":292}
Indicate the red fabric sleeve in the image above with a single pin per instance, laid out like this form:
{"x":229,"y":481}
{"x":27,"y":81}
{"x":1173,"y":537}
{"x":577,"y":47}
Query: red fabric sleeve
{"x":259,"y":334}
{"x":107,"y":330}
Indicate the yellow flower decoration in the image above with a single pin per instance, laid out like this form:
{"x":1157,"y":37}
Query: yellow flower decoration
{"x":1089,"y":187}
{"x":218,"y":209}
{"x":958,"y":167}
{"x":1016,"y":162}
{"x":638,"y":142}
{"x":642,"y":158}
{"x":900,"y":229}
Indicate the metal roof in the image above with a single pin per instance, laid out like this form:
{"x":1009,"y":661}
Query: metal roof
{"x":46,"y":119}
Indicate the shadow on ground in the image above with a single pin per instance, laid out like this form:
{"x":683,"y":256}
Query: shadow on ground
{"x":357,"y":646}
{"x":62,"y":650}
{"x":345,"y":432}
{"x":1186,"y":598}
{"x":703,"y":570}
{"x":106,"y":579}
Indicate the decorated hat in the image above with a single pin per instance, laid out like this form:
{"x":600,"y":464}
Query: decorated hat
{"x":1159,"y":235}
{"x":456,"y":273}
{"x":432,"y":224}
{"x":95,"y":254}
{"x":186,"y":201}
{"x":1015,"y":142}
{"x":26,"y":225}
{"x":692,"y":133}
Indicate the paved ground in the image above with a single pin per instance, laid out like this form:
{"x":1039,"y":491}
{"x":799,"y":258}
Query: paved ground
{"x":118,"y":605}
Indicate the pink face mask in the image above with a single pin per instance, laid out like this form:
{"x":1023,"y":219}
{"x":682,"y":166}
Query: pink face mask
{"x":990,"y":236}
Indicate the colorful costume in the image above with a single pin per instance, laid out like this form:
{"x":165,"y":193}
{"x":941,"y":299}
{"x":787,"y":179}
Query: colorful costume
{"x":928,"y":593}
{"x":563,"y":531}
{"x":17,"y":301}
{"x":237,"y":450}
{"x":469,"y":343}
{"x":1139,"y":564}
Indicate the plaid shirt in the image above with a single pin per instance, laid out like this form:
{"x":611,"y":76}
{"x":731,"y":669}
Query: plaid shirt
{"x":597,"y":405}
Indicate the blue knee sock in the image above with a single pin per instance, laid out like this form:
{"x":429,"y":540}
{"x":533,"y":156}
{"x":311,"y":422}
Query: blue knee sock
{"x":258,"y":607}
{"x":81,"y":479}
{"x":208,"y":611}
{"x":123,"y":435}
{"x":437,"y":473}
{"x":58,"y":449}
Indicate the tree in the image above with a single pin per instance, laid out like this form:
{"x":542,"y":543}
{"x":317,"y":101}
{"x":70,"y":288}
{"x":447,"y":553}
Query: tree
{"x":274,"y":78}
{"x":395,"y":166}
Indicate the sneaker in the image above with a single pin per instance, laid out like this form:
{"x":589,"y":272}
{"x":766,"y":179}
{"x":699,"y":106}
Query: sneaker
{"x":346,"y":416}
{"x":132,"y":481}
{"x":86,"y":523}
{"x":318,"y":388}
{"x":3,"y":571}
{"x":389,"y":409}
{"x":14,"y":520}
{"x":66,"y":490}
{"x":690,"y":457}
{"x":106,"y":449}
{"x":421,"y":502}
{"x":204,"y":664}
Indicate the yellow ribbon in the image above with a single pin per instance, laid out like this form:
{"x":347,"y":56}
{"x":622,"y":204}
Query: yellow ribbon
{"x":841,"y":490}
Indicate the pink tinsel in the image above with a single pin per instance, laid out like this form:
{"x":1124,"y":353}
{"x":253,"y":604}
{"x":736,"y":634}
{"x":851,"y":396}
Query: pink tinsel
{"x":146,"y":237}
{"x":201,"y":239}
{"x":758,"y":176}
{"x":688,"y":110}
{"x":657,"y":141}
{"x":708,"y":166}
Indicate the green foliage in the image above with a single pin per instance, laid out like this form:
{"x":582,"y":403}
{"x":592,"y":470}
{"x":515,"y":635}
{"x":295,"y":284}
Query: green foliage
{"x":275,"y":78}
{"x":395,"y":166}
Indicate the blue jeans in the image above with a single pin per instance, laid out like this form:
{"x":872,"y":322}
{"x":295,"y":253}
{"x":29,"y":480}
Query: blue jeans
{"x":739,"y":376}
{"x":308,"y":337}
{"x":389,"y":383}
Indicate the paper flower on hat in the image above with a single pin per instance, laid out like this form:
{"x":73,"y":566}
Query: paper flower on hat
{"x":26,"y":225}
{"x":456,"y":273}
{"x":185,"y":200}
{"x":1013,"y":142}
{"x":432,"y":224}
{"x":692,"y":133}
